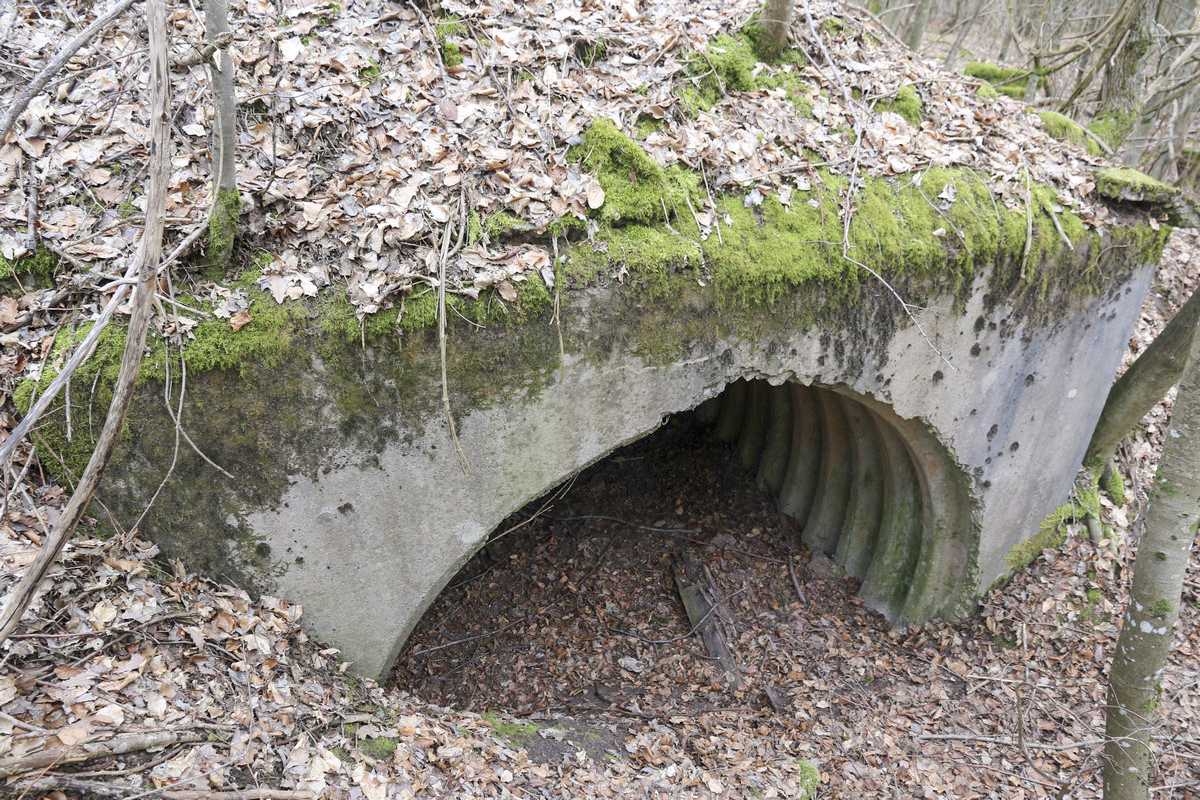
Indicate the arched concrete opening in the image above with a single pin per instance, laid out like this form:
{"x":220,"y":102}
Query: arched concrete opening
{"x":840,"y":467}
{"x":877,"y":493}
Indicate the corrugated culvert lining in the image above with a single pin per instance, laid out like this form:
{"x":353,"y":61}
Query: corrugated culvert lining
{"x":876,"y":492}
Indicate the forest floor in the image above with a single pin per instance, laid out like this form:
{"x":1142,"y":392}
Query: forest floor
{"x":561,"y":663}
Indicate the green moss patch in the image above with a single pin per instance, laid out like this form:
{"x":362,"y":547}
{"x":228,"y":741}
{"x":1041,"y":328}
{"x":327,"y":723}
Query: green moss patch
{"x":907,"y":103}
{"x":38,"y":266}
{"x":1012,"y":81}
{"x":222,"y":230}
{"x":1066,"y":129}
{"x":1113,"y":127}
{"x":938,"y":232}
{"x":636,"y":188}
{"x":446,"y":27}
{"x":736,"y":64}
{"x":1128,"y":185}
{"x":515,"y":734}
{"x":810,"y":778}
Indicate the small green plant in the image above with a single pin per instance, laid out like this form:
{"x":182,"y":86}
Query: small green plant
{"x":370,"y":73}
{"x":445,"y":27}
{"x":589,"y":52}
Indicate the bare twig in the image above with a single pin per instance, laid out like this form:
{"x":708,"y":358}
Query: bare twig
{"x":1028,"y":225}
{"x":445,"y":256}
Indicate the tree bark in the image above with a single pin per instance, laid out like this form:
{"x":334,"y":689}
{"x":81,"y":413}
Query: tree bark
{"x":227,"y":206}
{"x":916,"y":31}
{"x":1146,"y":382}
{"x":776,"y":18}
{"x":1134,"y":681}
{"x":1121,"y":96}
{"x":149,"y":255}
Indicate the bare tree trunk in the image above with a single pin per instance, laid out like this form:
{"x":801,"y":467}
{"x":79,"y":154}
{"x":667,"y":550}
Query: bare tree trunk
{"x":1134,"y":687}
{"x":149,"y":255}
{"x":227,"y":205}
{"x":1146,"y":382}
{"x":776,"y":18}
{"x":916,"y":31}
{"x":976,"y":11}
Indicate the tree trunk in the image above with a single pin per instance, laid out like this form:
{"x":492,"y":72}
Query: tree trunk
{"x":227,"y":206}
{"x":1146,"y":382}
{"x":776,"y":19}
{"x":1134,"y":687}
{"x":916,"y":31}
{"x":1121,"y":97}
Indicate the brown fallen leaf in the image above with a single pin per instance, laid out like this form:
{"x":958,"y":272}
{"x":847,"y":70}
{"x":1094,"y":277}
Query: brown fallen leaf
{"x":8,"y":311}
{"x":73,"y":735}
{"x":240,"y":320}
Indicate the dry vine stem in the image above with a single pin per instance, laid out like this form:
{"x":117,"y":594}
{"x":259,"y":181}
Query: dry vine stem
{"x":445,"y":256}
{"x":147,"y":259}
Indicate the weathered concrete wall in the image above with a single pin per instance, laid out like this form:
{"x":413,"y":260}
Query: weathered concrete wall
{"x":348,"y":496}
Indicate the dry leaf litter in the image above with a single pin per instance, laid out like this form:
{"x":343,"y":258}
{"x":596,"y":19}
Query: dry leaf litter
{"x":359,"y":136}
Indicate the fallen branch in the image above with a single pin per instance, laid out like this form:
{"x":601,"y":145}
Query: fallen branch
{"x":55,"y":64}
{"x":700,"y":600}
{"x":240,"y":794}
{"x":86,"y":788}
{"x":118,"y":745}
{"x":148,"y":257}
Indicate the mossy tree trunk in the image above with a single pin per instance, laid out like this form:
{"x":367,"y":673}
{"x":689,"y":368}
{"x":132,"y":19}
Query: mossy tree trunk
{"x":223,"y":219}
{"x":1121,"y":96}
{"x":1145,"y":383}
{"x":776,"y":19}
{"x":1172,"y":97}
{"x":1134,"y":680}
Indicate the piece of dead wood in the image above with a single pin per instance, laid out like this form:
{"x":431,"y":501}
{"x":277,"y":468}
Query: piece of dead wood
{"x":65,"y":783}
{"x":57,"y":755}
{"x":776,"y":699}
{"x":701,"y":601}
{"x":147,"y":258}
{"x":241,"y":794}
